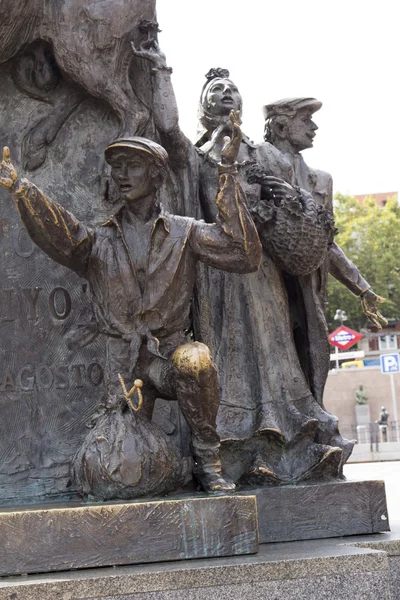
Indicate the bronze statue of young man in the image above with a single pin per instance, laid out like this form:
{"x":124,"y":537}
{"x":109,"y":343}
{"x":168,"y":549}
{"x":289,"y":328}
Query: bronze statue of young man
{"x":141,"y":267}
{"x":290,"y":129}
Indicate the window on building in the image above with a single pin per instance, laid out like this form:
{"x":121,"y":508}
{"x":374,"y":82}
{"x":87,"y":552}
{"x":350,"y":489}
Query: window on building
{"x":388,"y":341}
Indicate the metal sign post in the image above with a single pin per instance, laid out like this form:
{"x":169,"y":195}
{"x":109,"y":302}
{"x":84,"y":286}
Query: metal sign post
{"x":390,"y":364}
{"x":394,"y":402}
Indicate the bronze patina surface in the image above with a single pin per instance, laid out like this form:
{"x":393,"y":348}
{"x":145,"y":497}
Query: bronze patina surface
{"x":321,"y":510}
{"x":80,"y":536}
{"x":140,"y":266}
{"x":162,"y":311}
{"x":57,"y":110}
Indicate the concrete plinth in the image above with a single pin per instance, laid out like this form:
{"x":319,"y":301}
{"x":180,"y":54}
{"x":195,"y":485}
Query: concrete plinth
{"x":363,"y":414}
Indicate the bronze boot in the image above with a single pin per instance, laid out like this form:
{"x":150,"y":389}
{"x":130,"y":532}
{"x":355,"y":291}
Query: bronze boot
{"x":208,"y":472}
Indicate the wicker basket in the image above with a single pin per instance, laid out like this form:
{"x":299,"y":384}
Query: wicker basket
{"x":297,"y":242}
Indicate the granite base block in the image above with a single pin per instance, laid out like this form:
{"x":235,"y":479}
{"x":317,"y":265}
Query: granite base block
{"x":390,"y":544}
{"x":394,"y":577}
{"x":314,"y":570}
{"x":42,"y":539}
{"x":366,"y":587}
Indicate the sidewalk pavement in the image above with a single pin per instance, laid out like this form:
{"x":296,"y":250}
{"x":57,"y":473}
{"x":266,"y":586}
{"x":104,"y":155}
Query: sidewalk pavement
{"x":390,"y":473}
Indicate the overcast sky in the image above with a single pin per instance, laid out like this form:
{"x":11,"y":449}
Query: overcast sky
{"x":342,"y":52}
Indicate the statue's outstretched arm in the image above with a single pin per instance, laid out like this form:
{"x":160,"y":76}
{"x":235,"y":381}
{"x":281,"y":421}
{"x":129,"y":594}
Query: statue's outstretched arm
{"x":345,"y":271}
{"x":165,"y":110}
{"x":55,"y":230}
{"x":348,"y":274}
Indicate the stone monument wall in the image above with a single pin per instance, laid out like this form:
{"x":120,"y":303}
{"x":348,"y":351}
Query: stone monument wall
{"x":51,"y":363}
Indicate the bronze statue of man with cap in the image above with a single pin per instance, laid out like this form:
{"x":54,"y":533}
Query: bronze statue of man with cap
{"x":290,"y":129}
{"x":141,"y":267}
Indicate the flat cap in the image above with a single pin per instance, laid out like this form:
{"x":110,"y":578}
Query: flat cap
{"x":289,"y":106}
{"x":139,"y":144}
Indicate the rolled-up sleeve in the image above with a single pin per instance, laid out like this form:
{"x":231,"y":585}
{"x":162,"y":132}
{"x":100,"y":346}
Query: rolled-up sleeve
{"x":346,"y":271}
{"x":55,"y":230}
{"x":232,"y":243}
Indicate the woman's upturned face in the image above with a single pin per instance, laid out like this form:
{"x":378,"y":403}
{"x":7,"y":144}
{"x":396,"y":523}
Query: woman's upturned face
{"x":222,"y":96}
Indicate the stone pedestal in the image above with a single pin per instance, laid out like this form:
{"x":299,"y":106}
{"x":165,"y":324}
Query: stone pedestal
{"x":363,"y":420}
{"x":383,"y":433}
{"x":76,"y":536}
{"x":363,"y":415}
{"x":41,"y":539}
{"x":321,"y":510}
{"x":363,"y":435}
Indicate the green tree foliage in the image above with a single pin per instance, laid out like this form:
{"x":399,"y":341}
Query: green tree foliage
{"x":370,"y":236}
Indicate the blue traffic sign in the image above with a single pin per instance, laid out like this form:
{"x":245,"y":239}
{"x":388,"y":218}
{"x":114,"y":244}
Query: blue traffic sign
{"x":390,"y":363}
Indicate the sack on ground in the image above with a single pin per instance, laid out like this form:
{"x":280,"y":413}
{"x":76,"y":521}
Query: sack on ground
{"x":127,"y":456}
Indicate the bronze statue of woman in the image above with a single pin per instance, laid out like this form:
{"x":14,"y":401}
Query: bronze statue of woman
{"x":272,"y":427}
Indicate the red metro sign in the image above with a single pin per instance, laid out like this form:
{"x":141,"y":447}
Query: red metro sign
{"x":344,"y":337}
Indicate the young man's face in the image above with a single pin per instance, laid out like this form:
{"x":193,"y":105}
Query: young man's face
{"x":132,"y":173}
{"x":301,"y":130}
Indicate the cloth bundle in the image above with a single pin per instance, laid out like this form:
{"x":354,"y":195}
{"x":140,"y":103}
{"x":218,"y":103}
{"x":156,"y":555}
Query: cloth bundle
{"x":127,"y":456}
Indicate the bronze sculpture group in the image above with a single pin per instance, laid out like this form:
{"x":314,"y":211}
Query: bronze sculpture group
{"x":249,"y":252}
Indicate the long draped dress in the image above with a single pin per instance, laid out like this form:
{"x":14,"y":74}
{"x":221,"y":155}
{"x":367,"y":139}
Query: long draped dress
{"x":271,"y":420}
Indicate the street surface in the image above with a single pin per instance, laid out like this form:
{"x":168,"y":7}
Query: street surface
{"x":389,"y":472}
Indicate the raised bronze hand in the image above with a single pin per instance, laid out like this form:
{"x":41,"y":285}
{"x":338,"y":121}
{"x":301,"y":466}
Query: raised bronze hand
{"x":369,"y":302}
{"x":230,"y":151}
{"x":8,"y":173}
{"x":219,"y":137}
{"x":150,"y":50}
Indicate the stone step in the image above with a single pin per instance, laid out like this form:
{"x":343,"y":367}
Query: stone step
{"x":313,"y":570}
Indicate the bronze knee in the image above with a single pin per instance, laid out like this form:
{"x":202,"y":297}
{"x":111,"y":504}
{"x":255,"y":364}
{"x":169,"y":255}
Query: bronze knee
{"x":193,"y":359}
